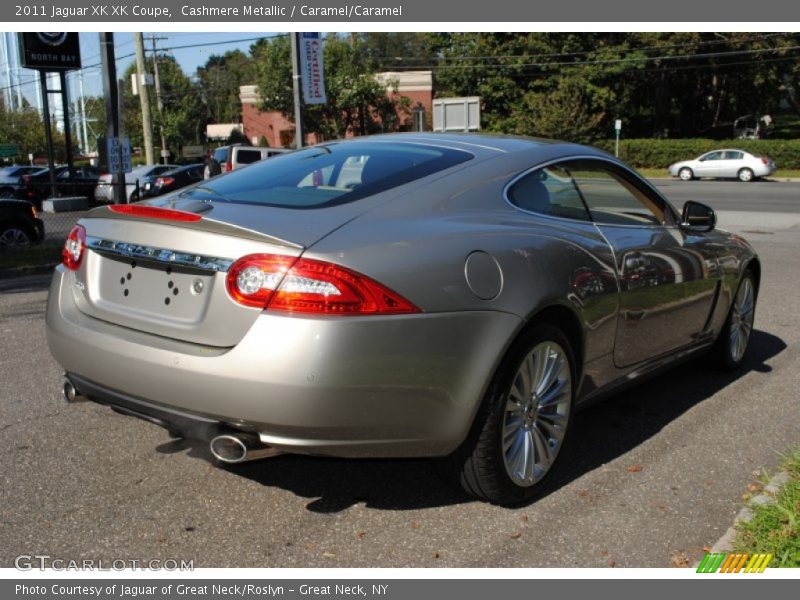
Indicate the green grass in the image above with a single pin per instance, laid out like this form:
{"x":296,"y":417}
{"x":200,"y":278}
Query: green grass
{"x":775,"y":528}
{"x":48,"y":252}
{"x":650,"y":172}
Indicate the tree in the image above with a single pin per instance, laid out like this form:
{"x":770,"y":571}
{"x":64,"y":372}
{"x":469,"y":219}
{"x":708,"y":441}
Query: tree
{"x":184,"y":114}
{"x":357,"y":101}
{"x":661,"y":84}
{"x":220,"y":79}
{"x":25,"y":129}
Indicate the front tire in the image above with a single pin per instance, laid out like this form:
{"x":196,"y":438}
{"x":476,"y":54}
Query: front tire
{"x":14,"y":237}
{"x":746,"y":175}
{"x":523,"y":421}
{"x":686,"y":174}
{"x":730,"y":348}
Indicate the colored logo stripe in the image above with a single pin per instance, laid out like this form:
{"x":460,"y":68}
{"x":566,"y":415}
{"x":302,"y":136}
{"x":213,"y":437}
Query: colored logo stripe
{"x":734,"y":563}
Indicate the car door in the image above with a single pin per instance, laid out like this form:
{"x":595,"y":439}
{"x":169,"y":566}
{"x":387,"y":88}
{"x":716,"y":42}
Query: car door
{"x":667,"y":279}
{"x":733,"y":160}
{"x":710,"y":165}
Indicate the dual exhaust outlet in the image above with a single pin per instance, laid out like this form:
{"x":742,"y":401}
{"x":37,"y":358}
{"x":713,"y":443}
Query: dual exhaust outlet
{"x":232,"y":447}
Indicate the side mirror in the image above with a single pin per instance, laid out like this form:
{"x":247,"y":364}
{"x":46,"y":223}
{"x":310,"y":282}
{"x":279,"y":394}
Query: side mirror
{"x":698,"y":217}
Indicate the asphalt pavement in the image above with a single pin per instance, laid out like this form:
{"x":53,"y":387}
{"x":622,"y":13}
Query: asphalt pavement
{"x":652,"y":476}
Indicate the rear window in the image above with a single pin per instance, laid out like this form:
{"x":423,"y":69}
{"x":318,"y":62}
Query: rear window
{"x":332,"y":174}
{"x":245,"y":157}
{"x":221,"y":154}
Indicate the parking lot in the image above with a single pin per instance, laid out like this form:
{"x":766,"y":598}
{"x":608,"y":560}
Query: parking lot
{"x":651,"y":477}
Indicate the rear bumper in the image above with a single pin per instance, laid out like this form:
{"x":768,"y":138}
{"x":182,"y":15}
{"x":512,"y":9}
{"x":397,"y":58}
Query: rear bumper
{"x":366,"y":386}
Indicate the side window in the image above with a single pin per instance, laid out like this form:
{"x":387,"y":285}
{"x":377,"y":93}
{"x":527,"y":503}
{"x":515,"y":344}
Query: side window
{"x":245,"y":157}
{"x":611,"y":198}
{"x":549,"y":191}
{"x":733,"y":155}
{"x":713,"y":156}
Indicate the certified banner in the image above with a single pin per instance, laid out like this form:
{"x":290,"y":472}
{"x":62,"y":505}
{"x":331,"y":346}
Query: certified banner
{"x":311,"y":68}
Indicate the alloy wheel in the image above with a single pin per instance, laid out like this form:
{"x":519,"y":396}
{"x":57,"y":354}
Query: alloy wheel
{"x":742,"y":319}
{"x":537,"y":411}
{"x":14,"y":237}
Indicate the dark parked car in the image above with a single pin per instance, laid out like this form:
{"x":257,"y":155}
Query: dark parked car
{"x":406,"y":295}
{"x":20,"y":224}
{"x":139,"y":179}
{"x":174,"y":180}
{"x":82,"y":183}
{"x":11,"y":179}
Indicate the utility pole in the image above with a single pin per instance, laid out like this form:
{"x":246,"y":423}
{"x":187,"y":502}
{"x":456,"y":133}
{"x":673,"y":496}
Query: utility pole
{"x":160,"y":102}
{"x":298,"y":114}
{"x":144,"y":98}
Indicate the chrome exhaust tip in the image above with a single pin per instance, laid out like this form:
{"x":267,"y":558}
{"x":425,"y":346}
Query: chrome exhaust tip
{"x":69,"y":392}
{"x":235,"y":448}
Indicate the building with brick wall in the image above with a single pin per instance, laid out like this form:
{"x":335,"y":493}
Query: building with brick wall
{"x":278,"y":131}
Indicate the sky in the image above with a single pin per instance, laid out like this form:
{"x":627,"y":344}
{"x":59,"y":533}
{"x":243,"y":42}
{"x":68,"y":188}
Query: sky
{"x":205,"y":45}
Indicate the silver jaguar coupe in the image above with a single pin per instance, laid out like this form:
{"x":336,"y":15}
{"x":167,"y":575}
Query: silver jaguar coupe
{"x":451,"y":296}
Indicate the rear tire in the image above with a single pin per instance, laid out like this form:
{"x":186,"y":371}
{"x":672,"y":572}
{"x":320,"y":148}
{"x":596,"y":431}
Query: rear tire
{"x":522,"y":423}
{"x":729,"y":350}
{"x":746,"y":175}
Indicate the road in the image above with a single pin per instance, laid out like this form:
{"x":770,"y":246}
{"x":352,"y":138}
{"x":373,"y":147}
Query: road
{"x":652,"y":476}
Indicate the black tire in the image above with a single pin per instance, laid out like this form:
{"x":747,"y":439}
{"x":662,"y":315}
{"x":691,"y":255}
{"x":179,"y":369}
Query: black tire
{"x":746,"y":175}
{"x":478,"y":465}
{"x":685,"y":174}
{"x":722,"y":352}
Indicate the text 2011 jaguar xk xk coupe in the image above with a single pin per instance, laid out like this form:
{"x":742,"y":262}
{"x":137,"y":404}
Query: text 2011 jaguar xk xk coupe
{"x":432,"y":295}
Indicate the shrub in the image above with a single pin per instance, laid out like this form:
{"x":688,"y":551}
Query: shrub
{"x":659,"y":154}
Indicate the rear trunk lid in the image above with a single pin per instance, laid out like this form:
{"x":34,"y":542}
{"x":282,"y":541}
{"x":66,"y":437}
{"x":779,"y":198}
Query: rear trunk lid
{"x":167,"y":277}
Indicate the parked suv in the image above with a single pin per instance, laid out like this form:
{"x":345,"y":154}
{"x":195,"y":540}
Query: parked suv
{"x":229,"y":158}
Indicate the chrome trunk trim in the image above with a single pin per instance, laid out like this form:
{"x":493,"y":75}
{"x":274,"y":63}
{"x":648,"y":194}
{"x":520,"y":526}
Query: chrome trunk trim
{"x":161,"y":255}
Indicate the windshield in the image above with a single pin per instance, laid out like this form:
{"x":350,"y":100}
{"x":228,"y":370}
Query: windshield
{"x":332,"y":174}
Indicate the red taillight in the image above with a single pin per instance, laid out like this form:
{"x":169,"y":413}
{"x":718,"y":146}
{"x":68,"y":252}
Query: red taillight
{"x":309,"y":286}
{"x":162,"y":181}
{"x":228,"y":166}
{"x":155,"y":212}
{"x":764,"y":160}
{"x":74,"y":248}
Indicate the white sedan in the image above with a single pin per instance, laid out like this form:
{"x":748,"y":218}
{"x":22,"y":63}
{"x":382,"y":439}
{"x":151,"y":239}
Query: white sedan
{"x":728,"y":163}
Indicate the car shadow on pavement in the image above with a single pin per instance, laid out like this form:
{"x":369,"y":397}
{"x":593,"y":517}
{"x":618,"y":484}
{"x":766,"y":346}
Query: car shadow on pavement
{"x":599,"y":435}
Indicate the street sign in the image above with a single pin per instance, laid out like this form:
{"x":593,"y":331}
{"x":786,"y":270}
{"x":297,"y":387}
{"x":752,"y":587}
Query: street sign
{"x":119,"y":154}
{"x":8,"y":150}
{"x":618,"y":124}
{"x":166,"y":154}
{"x":617,"y":129}
{"x":193,"y":151}
{"x":50,"y":51}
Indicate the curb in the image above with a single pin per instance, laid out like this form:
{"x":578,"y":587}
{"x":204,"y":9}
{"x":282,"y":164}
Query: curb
{"x":766,"y":497}
{"x":25,"y":271}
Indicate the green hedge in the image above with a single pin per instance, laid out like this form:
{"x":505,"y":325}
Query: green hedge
{"x":659,"y":154}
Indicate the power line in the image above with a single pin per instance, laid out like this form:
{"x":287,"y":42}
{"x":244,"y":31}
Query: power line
{"x":640,"y":59}
{"x":611,"y":48}
{"x":165,"y":49}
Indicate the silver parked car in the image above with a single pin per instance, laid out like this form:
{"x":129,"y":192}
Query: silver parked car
{"x":135,"y":182}
{"x":724,"y":164}
{"x":453,"y":296}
